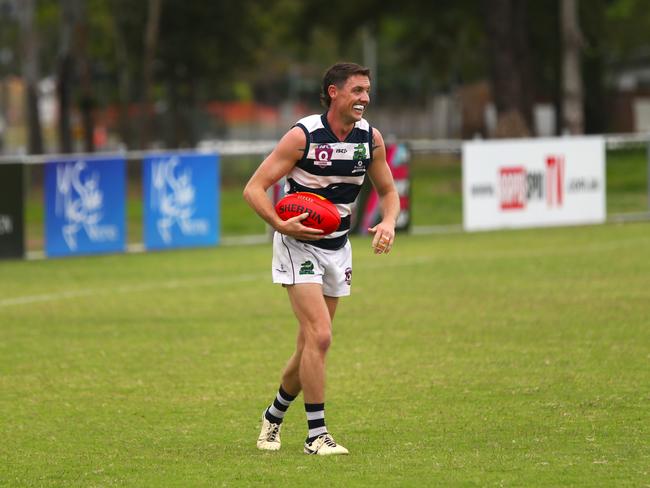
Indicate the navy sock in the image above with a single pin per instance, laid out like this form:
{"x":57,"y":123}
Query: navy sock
{"x":315,"y":420}
{"x":276,"y":411}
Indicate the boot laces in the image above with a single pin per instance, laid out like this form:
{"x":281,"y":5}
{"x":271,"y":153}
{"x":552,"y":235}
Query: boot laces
{"x":272,"y":434}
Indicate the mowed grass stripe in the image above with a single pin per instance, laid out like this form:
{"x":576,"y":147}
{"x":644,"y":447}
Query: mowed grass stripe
{"x":593,"y":247}
{"x":135,"y":288}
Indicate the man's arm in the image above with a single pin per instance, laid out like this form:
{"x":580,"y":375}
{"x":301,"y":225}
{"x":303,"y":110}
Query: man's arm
{"x":284,"y":157}
{"x":382,"y":180}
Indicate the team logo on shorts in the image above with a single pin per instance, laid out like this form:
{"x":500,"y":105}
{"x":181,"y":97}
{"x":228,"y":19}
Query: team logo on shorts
{"x":348,"y":276}
{"x":307,"y":268}
{"x":323,"y":155}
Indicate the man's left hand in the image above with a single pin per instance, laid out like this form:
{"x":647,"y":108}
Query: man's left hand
{"x":382,"y":243}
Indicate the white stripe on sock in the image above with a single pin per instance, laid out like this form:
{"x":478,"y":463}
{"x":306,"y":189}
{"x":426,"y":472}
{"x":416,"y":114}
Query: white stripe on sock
{"x":275,"y":412}
{"x":282,"y":400}
{"x":315,"y":415}
{"x":317,"y":431}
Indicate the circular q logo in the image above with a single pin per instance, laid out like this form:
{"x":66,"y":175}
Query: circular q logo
{"x":323,"y":152}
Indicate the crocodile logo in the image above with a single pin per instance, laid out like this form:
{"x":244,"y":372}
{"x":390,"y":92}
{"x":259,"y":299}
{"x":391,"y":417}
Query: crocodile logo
{"x":360,"y":152}
{"x":307,"y":268}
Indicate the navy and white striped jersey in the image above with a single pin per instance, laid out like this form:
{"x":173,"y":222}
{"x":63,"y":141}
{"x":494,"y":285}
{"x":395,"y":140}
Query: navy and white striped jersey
{"x":333,"y":169}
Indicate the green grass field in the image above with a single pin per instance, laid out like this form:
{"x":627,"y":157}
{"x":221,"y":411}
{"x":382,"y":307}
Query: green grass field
{"x":517,"y":358}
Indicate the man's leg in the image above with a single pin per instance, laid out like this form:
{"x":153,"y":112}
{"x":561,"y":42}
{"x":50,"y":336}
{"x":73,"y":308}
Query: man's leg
{"x":313,"y":316}
{"x":290,"y":387}
{"x":291,"y":374}
{"x":314,"y":334}
{"x":314,"y":313}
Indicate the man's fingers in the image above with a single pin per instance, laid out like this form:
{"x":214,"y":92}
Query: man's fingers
{"x":315,"y":233}
{"x":299,"y":231}
{"x":298,"y":218}
{"x":382,"y":242}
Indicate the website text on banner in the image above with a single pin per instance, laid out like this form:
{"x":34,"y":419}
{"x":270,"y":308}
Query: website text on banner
{"x":85,"y":210}
{"x":181,"y":200}
{"x":533,"y":183}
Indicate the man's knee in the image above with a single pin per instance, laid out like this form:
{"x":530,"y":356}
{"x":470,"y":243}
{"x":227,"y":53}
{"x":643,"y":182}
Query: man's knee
{"x":321,"y":338}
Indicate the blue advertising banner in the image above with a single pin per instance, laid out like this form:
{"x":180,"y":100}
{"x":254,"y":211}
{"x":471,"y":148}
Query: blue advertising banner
{"x":85,"y":206}
{"x":181,"y":204}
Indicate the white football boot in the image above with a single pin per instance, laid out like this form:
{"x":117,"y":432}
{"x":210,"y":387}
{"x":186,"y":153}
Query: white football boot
{"x":269,"y":439}
{"x":324,"y":445}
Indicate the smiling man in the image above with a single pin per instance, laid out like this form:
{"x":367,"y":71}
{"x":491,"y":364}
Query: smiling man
{"x":330,"y":155}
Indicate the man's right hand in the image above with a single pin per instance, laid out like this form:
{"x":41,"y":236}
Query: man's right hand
{"x":294,"y":228}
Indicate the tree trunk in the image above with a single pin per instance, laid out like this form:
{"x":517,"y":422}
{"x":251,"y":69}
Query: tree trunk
{"x":124,"y":82}
{"x":571,"y":73}
{"x":4,"y":104}
{"x":174,"y":111}
{"x":593,"y":24}
{"x":524,"y":62}
{"x":150,"y":44}
{"x":30,"y":70}
{"x":87,"y":98}
{"x":556,"y":43}
{"x":508,"y":51}
{"x":65,"y":67}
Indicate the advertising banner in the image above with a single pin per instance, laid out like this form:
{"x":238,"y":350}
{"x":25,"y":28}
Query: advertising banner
{"x":85,"y":206}
{"x":181,"y":200}
{"x":530,"y":183}
{"x":367,"y":213}
{"x":12,"y":241}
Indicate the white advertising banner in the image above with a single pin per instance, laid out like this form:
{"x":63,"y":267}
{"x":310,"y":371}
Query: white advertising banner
{"x":533,"y":182}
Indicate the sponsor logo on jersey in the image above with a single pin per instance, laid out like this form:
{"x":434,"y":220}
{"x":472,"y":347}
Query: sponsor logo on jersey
{"x":360,"y":152}
{"x":359,"y":167}
{"x":323,"y":155}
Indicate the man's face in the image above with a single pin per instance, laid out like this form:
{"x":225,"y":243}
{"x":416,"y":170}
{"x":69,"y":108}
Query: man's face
{"x":351,"y":100}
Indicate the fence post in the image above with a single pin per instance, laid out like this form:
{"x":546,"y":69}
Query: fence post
{"x":647,"y":178}
{"x":12,"y":210}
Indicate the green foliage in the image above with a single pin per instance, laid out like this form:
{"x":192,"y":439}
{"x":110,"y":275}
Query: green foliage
{"x":626,"y":30}
{"x":277,"y":50}
{"x":508,"y":358}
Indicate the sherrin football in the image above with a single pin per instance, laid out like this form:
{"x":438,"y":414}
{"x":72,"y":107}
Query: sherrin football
{"x":323,"y":214}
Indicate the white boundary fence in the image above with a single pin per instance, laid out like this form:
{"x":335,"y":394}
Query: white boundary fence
{"x":416,"y":146}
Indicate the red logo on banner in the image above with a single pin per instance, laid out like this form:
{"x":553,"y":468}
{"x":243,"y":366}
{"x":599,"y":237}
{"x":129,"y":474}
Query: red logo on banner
{"x":512,"y":183}
{"x":554,"y":180}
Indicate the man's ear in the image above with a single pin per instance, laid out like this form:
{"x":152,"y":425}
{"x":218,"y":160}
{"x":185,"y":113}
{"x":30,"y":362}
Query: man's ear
{"x":332,"y":91}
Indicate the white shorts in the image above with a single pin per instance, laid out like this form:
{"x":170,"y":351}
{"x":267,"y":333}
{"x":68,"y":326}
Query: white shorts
{"x":297,"y":262}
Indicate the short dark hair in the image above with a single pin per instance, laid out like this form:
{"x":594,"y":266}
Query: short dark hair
{"x":337,"y":75}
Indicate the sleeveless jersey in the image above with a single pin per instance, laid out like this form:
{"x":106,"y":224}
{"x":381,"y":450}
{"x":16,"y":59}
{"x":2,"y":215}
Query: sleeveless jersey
{"x":333,"y":169}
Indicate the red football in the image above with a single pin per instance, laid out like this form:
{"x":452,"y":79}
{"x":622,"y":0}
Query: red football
{"x":322,"y":213}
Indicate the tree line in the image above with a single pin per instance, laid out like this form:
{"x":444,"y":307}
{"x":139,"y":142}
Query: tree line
{"x":174,"y":54}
